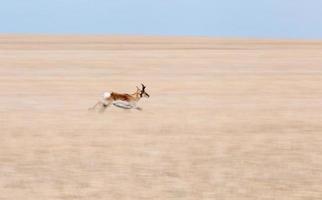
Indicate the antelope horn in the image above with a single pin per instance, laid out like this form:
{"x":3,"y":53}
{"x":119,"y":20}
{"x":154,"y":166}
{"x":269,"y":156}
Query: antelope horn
{"x":143,"y":87}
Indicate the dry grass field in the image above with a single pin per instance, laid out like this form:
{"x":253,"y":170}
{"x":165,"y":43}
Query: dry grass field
{"x":226,"y":120}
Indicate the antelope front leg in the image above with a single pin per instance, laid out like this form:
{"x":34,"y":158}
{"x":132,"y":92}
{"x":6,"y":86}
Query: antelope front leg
{"x":139,"y":108}
{"x":136,"y":107}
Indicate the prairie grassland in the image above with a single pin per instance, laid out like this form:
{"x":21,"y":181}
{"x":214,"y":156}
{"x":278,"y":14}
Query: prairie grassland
{"x":227,"y":119}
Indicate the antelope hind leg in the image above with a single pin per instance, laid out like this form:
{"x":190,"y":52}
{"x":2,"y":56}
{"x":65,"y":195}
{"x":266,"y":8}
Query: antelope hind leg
{"x":94,"y":106}
{"x":104,"y":106}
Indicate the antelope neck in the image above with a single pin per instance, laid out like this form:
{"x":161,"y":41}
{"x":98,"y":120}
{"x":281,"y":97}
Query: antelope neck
{"x":137,"y":96}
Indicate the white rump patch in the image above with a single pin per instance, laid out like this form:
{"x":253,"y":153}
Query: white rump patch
{"x":106,"y":95}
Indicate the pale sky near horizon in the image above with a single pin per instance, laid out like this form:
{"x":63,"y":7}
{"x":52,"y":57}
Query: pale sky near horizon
{"x":218,"y":18}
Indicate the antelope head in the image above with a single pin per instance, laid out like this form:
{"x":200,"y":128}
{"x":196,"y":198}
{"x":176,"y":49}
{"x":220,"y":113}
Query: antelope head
{"x":142,"y":92}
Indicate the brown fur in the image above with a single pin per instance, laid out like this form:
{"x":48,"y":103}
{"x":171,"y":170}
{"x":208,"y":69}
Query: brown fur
{"x":123,"y":97}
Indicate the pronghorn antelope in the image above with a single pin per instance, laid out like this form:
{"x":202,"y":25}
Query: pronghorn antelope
{"x":126,"y":101}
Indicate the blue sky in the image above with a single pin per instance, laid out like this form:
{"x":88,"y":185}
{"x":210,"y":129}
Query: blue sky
{"x":225,"y":18}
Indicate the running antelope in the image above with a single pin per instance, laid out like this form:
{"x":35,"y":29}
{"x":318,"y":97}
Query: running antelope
{"x":126,"y":101}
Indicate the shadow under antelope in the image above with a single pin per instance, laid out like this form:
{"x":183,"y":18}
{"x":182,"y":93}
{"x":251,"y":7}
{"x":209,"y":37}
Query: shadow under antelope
{"x":121,"y":100}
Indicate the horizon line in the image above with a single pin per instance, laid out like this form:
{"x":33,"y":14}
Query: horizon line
{"x":20,"y":34}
